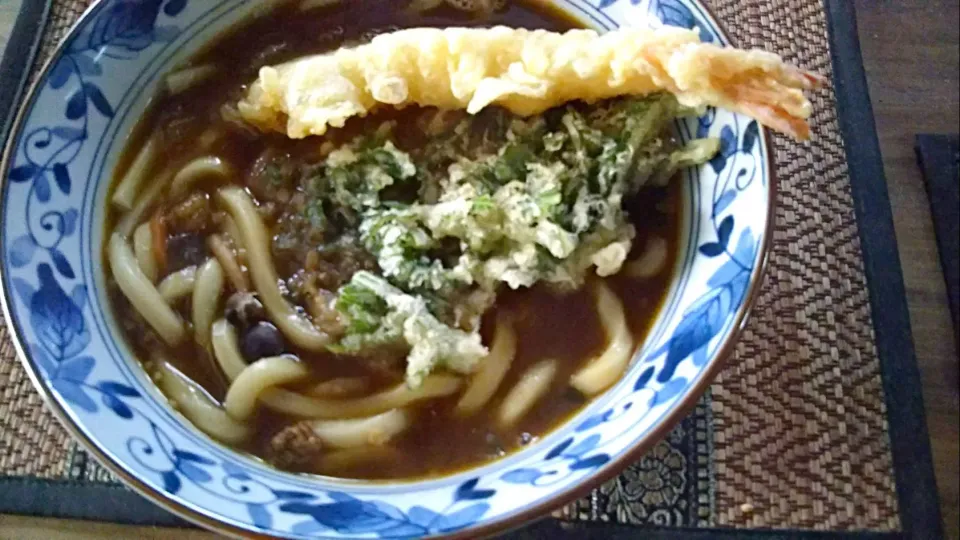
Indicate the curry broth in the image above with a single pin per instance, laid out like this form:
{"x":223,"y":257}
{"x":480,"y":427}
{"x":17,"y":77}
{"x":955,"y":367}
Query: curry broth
{"x":565,"y":328}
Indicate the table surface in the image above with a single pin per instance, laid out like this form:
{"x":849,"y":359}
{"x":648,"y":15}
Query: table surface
{"x":8,"y":15}
{"x":911,"y":52}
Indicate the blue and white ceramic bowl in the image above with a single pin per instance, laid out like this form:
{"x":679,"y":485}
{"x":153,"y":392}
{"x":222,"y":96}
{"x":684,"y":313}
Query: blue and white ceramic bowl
{"x":57,"y":165}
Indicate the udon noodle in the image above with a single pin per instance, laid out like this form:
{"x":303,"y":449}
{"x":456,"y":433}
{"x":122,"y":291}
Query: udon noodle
{"x":414,"y":293}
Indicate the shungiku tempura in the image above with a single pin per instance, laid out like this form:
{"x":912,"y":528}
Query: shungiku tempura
{"x":526,"y":72}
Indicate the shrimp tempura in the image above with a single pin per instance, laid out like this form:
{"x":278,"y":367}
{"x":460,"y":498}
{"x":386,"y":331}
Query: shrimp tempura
{"x":526,"y":72}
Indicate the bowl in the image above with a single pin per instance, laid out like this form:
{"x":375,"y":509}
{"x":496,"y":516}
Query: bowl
{"x":57,"y":167}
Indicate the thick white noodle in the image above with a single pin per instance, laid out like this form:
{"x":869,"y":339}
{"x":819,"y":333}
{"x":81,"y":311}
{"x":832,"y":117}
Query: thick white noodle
{"x":178,"y":284}
{"x":356,"y":432}
{"x":418,"y":6}
{"x":145,"y":203}
{"x":492,"y":369}
{"x":130,"y":184}
{"x":231,"y":267}
{"x":339,"y":387}
{"x":651,"y":262}
{"x":254,"y":237}
{"x":230,"y":229}
{"x":307,"y":5}
{"x":141,"y":293}
{"x":143,"y":249}
{"x":606,"y":369}
{"x":206,"y":300}
{"x":295,"y":404}
{"x":226,"y":349}
{"x":262,"y":7}
{"x":209,"y":136}
{"x":202,"y":410}
{"x":255,"y":379}
{"x":198,"y":169}
{"x":531,"y":387}
{"x":184,"y":79}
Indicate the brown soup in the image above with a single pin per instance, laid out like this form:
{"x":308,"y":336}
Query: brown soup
{"x":191,"y":124}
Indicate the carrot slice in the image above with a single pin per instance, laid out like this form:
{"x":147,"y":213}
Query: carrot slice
{"x":158,"y":232}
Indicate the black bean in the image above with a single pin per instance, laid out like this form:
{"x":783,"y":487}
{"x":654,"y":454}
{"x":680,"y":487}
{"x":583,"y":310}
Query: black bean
{"x":243,"y":310}
{"x":261,"y":340}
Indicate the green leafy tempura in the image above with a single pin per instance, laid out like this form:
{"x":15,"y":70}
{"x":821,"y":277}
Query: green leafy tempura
{"x":382,"y":315}
{"x":502,"y":200}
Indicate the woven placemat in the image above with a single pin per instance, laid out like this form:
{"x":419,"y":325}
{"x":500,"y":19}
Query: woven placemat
{"x":793,"y":434}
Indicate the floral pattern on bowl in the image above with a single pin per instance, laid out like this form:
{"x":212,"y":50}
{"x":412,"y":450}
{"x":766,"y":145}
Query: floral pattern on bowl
{"x":69,"y":136}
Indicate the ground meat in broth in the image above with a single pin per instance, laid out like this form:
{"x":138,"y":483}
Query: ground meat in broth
{"x":296,"y":447}
{"x":194,"y":214}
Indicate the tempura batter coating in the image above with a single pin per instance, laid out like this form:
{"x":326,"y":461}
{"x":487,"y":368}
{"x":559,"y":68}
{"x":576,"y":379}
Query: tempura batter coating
{"x":526,"y":72}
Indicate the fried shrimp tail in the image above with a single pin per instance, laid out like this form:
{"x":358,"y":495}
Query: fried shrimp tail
{"x":526,"y":72}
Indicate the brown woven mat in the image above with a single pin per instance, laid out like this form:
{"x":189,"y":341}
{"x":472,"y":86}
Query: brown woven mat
{"x":793,"y":433}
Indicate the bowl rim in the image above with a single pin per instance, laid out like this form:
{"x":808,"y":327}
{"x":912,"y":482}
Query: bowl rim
{"x":531,"y":514}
